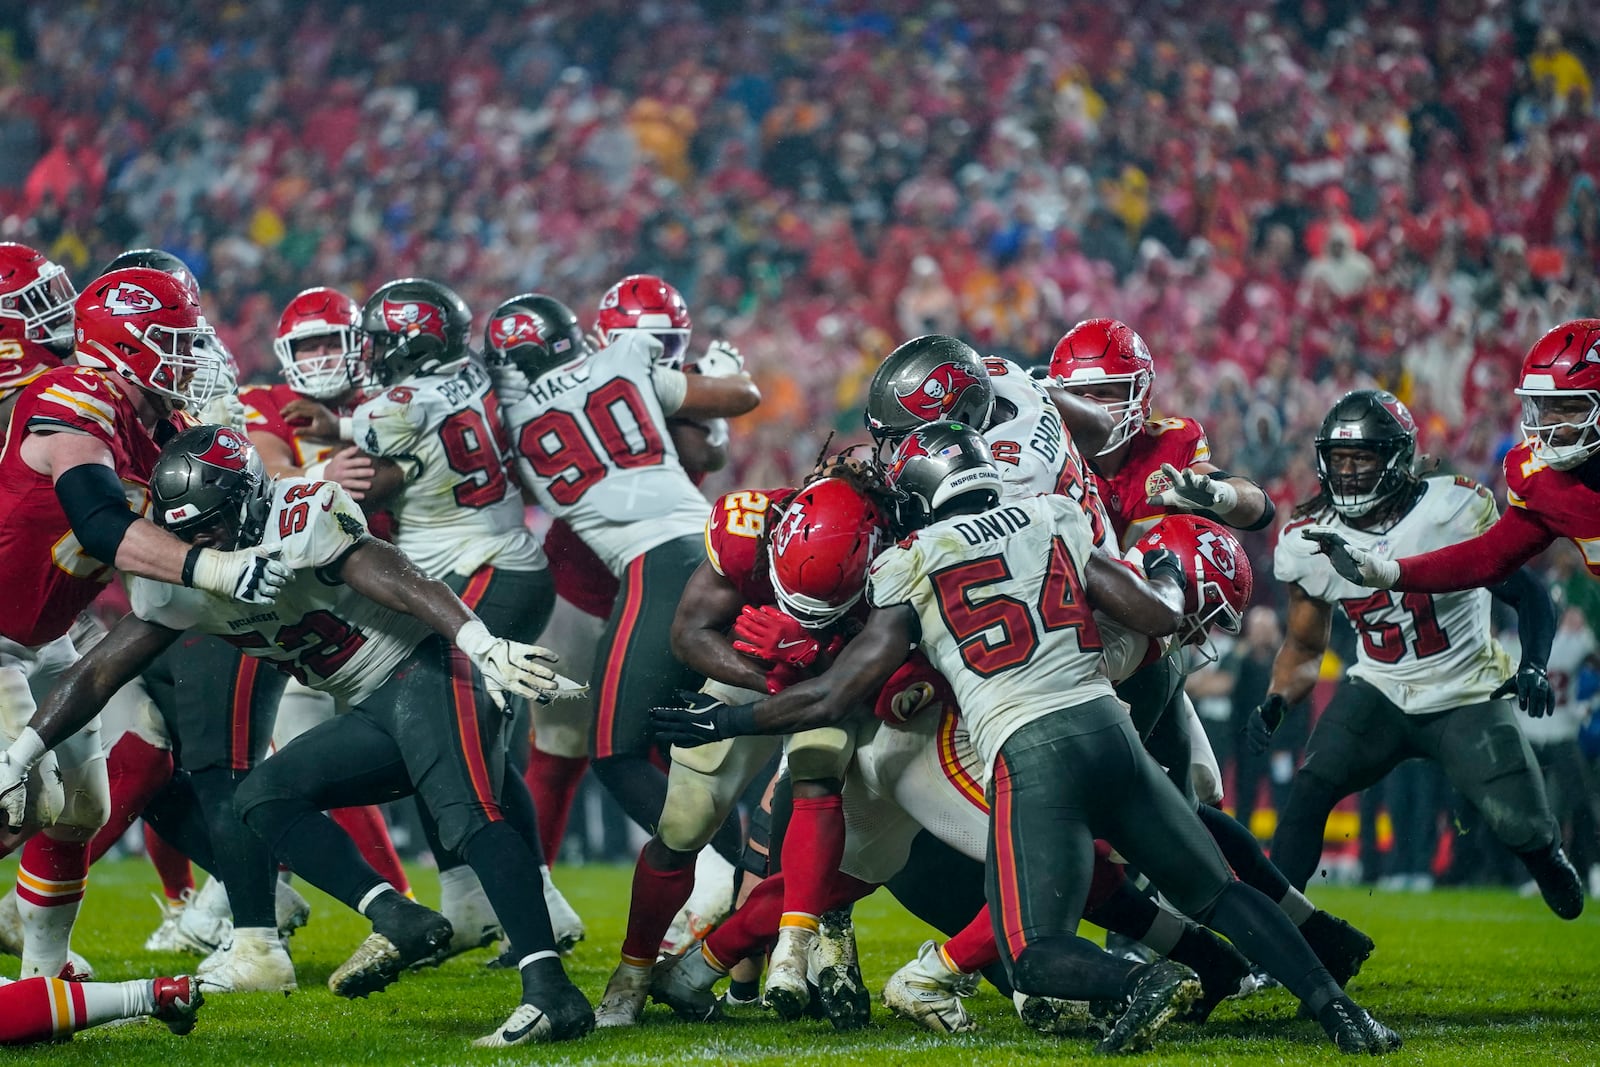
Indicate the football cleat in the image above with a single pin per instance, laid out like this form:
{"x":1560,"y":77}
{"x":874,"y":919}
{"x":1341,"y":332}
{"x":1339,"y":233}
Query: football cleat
{"x":292,"y":910}
{"x":177,"y":1002}
{"x":407,"y":935}
{"x":559,"y":1013}
{"x":165,"y":937}
{"x":1068,"y":1018}
{"x":1223,"y":972}
{"x":1557,"y":879}
{"x":472,"y":919}
{"x":1164,"y":991}
{"x":1341,"y":947}
{"x":565,"y":922}
{"x":683,"y":983}
{"x":709,"y":903}
{"x":207,"y":920}
{"x":929,"y":993}
{"x":254,"y":962}
{"x":845,"y":999}
{"x":622,"y":1004}
{"x":1354,"y":1031}
{"x":787,"y":991}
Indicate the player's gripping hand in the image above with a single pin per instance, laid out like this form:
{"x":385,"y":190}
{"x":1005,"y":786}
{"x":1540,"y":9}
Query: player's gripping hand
{"x":1532,"y":688}
{"x":1264,"y":721}
{"x":769,"y":633}
{"x":1159,"y":561}
{"x":224,"y":409}
{"x":509,"y":665}
{"x":15,"y":763}
{"x":247,"y":575}
{"x":1354,"y":564}
{"x":721,"y":360}
{"x":510,"y":385}
{"x":1192,"y":491}
{"x":700,"y":720}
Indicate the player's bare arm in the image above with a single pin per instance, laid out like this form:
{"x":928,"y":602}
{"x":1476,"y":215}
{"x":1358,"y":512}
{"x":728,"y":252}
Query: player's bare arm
{"x":696,"y":449}
{"x":1153,"y":607}
{"x":711,"y":398}
{"x":709,"y":605}
{"x":1088,"y":422}
{"x":1295,"y":668}
{"x":387,"y":479}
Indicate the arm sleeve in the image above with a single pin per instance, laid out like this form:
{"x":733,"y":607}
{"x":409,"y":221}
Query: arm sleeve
{"x":1536,"y":615}
{"x":1484,"y":560}
{"x":95,"y":506}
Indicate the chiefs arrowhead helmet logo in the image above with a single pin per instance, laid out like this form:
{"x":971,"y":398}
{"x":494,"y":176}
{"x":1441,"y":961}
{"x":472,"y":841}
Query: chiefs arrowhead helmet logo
{"x":228,"y":449}
{"x":517,"y":328}
{"x":1218,"y":553}
{"x":413,"y":318}
{"x":128,"y":298}
{"x":933,"y":397}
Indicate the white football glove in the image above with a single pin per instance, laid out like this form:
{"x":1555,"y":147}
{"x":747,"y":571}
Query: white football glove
{"x":246,"y":575}
{"x":15,"y":763}
{"x":225,"y":409}
{"x":510,"y":385}
{"x":721,"y":360}
{"x":1193,"y":491}
{"x":507,"y":664}
{"x":1354,"y":563}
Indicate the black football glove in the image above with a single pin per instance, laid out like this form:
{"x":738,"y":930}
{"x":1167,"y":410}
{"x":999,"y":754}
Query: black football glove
{"x":1264,"y":722}
{"x":1165,"y":561}
{"x":700,"y":721}
{"x":1532,"y":688}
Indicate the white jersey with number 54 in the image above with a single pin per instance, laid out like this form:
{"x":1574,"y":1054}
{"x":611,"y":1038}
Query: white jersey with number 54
{"x":320,"y":630}
{"x":591,"y":440}
{"x":1003,"y":611}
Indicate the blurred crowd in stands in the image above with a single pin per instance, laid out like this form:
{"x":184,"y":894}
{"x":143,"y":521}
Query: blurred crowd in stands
{"x":1287,"y":200}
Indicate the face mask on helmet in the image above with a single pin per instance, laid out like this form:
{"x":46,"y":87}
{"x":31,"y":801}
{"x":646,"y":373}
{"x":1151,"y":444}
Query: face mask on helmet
{"x":45,"y":307}
{"x":1562,"y":428}
{"x":1360,"y":476}
{"x":210,"y":487}
{"x":144,"y":325}
{"x":415,"y":327}
{"x":319,"y":343}
{"x":1105,"y":361}
{"x":820,"y":551}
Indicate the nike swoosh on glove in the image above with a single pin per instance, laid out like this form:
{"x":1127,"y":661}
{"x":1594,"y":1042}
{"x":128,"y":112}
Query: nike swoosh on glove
{"x":1354,"y":564}
{"x":1192,"y":491}
{"x":1532,"y":687}
{"x":769,"y":633}
{"x":701,"y":720}
{"x":247,"y":575}
{"x":506,"y":664}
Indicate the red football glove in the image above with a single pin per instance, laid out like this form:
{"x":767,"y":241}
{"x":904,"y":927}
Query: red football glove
{"x":782,"y":675}
{"x":912,"y":689}
{"x":767,"y":633}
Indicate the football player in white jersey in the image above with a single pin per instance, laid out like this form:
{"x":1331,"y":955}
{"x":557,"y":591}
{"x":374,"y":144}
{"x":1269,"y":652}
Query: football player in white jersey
{"x":357,"y":620}
{"x":1429,"y":676}
{"x":592,"y":443}
{"x":1000,"y":597}
{"x":440,"y":459}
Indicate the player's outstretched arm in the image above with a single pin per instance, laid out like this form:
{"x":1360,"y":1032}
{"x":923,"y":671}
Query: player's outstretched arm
{"x":1087,"y":420}
{"x":1296,"y":666}
{"x":1536,"y":630}
{"x":1486,"y":560}
{"x":1153,"y":607}
{"x":78,"y":696}
{"x":1228,"y":498}
{"x":855,"y":677}
{"x":708,"y":607}
{"x":383,"y":574}
{"x":710,"y":398}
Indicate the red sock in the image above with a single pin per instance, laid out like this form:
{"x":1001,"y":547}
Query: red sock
{"x":974,"y":947}
{"x":753,"y":926}
{"x":657,"y":897}
{"x":177,"y":876}
{"x":137,"y":770}
{"x":367,"y":829}
{"x":37,"y":1009}
{"x":553,"y":781}
{"x":813,"y":847}
{"x":52,"y":872}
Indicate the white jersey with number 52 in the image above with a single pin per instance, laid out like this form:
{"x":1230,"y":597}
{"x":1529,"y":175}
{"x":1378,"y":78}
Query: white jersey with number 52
{"x":320,"y":630}
{"x":592,"y":442}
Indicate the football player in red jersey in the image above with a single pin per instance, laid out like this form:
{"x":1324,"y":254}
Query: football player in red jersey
{"x":50,"y":1009}
{"x":35,"y":320}
{"x":1552,"y":480}
{"x":72,"y":495}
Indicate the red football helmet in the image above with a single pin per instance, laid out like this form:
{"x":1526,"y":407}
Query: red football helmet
{"x":330,"y":323}
{"x":1104,"y":350}
{"x":1220,"y":579}
{"x":645,"y":303}
{"x":146,"y":326}
{"x":820,"y":551}
{"x":35,"y":299}
{"x":1560,"y":391}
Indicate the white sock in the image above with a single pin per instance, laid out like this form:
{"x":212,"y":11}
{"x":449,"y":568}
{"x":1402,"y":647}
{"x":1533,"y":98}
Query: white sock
{"x":105,"y":1001}
{"x":1297,"y":907}
{"x":456,"y":883}
{"x":47,"y":928}
{"x":1164,"y":932}
{"x":373,"y":894}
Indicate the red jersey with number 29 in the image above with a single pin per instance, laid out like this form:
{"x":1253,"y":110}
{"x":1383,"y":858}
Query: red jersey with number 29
{"x":734,"y":539}
{"x":1426,"y":652}
{"x":320,"y":630}
{"x":46,"y":576}
{"x":1180,"y":442}
{"x":1004,"y":616}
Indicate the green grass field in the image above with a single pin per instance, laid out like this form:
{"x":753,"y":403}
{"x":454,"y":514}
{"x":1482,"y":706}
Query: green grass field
{"x":1468,"y":977}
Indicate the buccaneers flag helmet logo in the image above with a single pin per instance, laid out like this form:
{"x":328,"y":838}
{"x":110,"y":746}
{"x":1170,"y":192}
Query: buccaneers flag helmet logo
{"x":228,"y":450}
{"x":936,"y":395}
{"x":413,"y":318}
{"x":514,"y":329}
